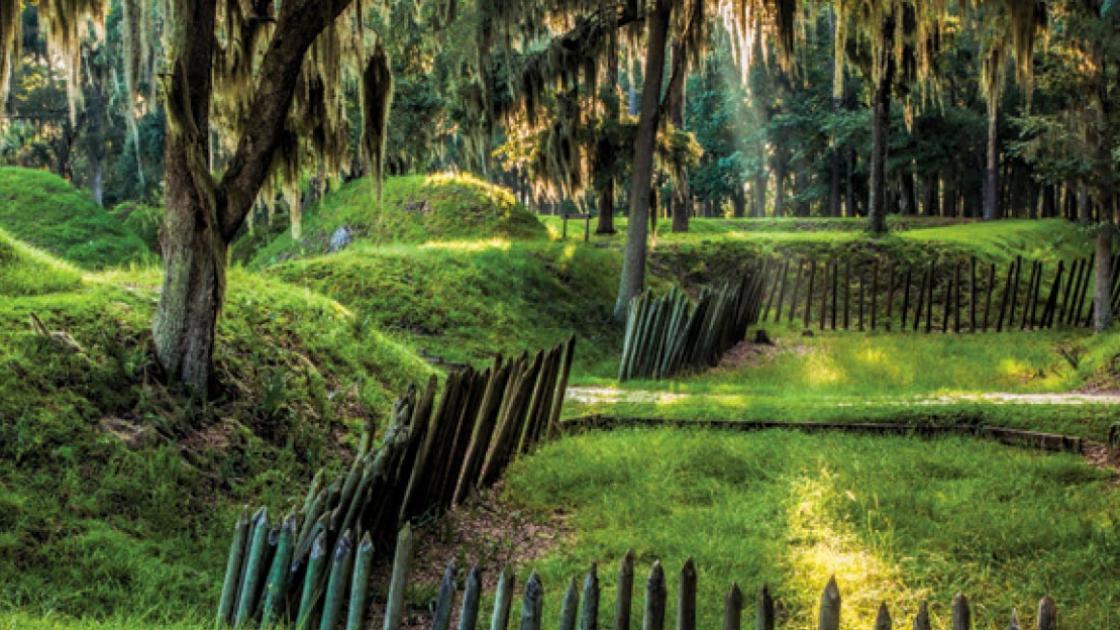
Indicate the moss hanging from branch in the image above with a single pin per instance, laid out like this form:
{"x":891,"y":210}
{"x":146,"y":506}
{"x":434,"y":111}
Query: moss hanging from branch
{"x":377,"y":100}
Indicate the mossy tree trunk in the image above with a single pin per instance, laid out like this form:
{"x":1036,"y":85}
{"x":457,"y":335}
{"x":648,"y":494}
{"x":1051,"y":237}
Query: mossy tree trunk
{"x":633,"y":275}
{"x":605,"y":150}
{"x":203,"y":215}
{"x":880,"y":132}
{"x":991,"y":170}
{"x":682,"y":198}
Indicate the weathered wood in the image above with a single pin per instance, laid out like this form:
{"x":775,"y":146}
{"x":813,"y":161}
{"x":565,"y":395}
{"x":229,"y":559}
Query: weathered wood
{"x":972,"y":293}
{"x":625,"y":592}
{"x":835,"y":290}
{"x":957,"y":298}
{"x":862,"y":279}
{"x":1005,"y":296}
{"x":807,"y":315}
{"x":892,"y":274}
{"x":733,"y":609}
{"x":589,"y":618}
{"x":1028,"y":297}
{"x":654,"y":617}
{"x":503,"y":598}
{"x":569,"y":607}
{"x":824,"y":292}
{"x":948,"y":305}
{"x":829,"y":618}
{"x":1014,"y":624}
{"x":796,"y":291}
{"x":359,"y":585}
{"x":883,"y":618}
{"x":686,"y":597}
{"x":1047,"y":614}
{"x":1014,"y":291}
{"x":1077,"y":321}
{"x":988,"y":297}
{"x":781,"y":292}
{"x":1074,"y":279}
{"x":532,"y":603}
{"x":921,"y":621}
{"x":402,"y":566}
{"x":875,"y":295}
{"x":929,"y":295}
{"x":1052,"y":299}
{"x":847,"y":294}
{"x":441,"y":619}
{"x":906,"y":297}
{"x":962,"y":614}
{"x":233,"y":569}
{"x":341,"y":567}
{"x":764,"y":615}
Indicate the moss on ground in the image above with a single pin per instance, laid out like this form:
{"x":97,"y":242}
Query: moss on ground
{"x":27,"y":271}
{"x":45,"y":211}
{"x":115,"y":493}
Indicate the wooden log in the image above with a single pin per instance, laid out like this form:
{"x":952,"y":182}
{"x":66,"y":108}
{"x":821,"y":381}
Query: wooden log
{"x":847,"y":293}
{"x":341,"y":569}
{"x":733,"y":609}
{"x":402,"y":566}
{"x":779,"y":278}
{"x":484,"y":424}
{"x":830,"y":607}
{"x":988,"y":298}
{"x":807,"y":316}
{"x":569,"y":607}
{"x":441,"y":618}
{"x":276,"y":586}
{"x":875,"y":295}
{"x":503,"y":598}
{"x":906,"y":297}
{"x":316,"y":564}
{"x":883,"y":618}
{"x":252,"y":569}
{"x":962,"y":614}
{"x":764,"y":617}
{"x":654,"y":617}
{"x":589,"y":618}
{"x":532,"y":603}
{"x":359,"y":585}
{"x":625,"y":592}
{"x":1047,"y":614}
{"x":796,"y":291}
{"x":972,"y":293}
{"x":233,"y":569}
{"x":686,"y":597}
{"x":921,"y":622}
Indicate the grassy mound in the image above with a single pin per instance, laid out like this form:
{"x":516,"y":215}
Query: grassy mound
{"x":27,"y":271}
{"x":465,"y":301}
{"x":44,"y":210}
{"x":115,"y":494}
{"x":895,"y":520}
{"x":414,"y":209}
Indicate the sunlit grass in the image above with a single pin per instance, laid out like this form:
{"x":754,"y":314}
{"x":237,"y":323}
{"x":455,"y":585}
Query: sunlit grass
{"x":894,"y":519}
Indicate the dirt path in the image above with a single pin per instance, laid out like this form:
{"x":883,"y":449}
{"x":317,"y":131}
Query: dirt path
{"x":608,"y":395}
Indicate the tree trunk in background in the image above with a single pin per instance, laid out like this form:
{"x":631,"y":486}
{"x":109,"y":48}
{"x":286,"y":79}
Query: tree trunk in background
{"x":632,"y":280}
{"x":1102,"y":291}
{"x":780,"y":188}
{"x":739,"y":203}
{"x":1049,"y":202}
{"x":682,"y":198}
{"x":760,"y":184}
{"x":834,"y":168}
{"x":194,"y":251}
{"x":610,"y":98}
{"x":880,"y":131}
{"x":991,"y":170}
{"x":1083,"y":211}
{"x":909,"y":203}
{"x":850,"y":187}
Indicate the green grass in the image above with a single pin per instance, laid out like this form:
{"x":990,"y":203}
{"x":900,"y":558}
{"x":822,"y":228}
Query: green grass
{"x":27,"y":271}
{"x":465,"y":301}
{"x":414,"y":209}
{"x":97,"y":528}
{"x":45,"y":211}
{"x":896,"y":520}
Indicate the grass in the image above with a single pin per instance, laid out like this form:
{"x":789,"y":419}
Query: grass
{"x":895,"y":520}
{"x":25,"y":270}
{"x":413,"y":209}
{"x":115,"y":493}
{"x":45,"y":211}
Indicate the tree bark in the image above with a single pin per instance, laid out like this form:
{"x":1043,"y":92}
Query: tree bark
{"x":682,"y":198}
{"x":880,"y":130}
{"x":632,"y":280}
{"x":604,"y":152}
{"x":991,"y":171}
{"x":760,"y":183}
{"x":834,"y":167}
{"x":1102,"y":290}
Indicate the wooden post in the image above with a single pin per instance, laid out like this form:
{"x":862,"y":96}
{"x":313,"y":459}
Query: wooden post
{"x":589,"y":620}
{"x":1028,"y":300}
{"x":587,"y":227}
{"x":625,"y":591}
{"x":862,"y":281}
{"x":874,"y":295}
{"x":531,"y":604}
{"x":1014,"y":291}
{"x":1047,"y":614}
{"x":824,"y":294}
{"x":441,"y":620}
{"x":972,"y":295}
{"x":733,"y":609}
{"x":778,"y":277}
{"x":1052,"y":299}
{"x":921,"y":622}
{"x":948,"y":305}
{"x":654,"y":618}
{"x":883,"y":619}
{"x":1005,"y":296}
{"x":570,"y":607}
{"x":564,"y":230}
{"x":765,"y":613}
{"x":402,"y":563}
{"x":920,"y":304}
{"x":686,"y":597}
{"x":830,"y":607}
{"x":891,"y":282}
{"x":1074,"y":279}
{"x":468,"y":615}
{"x":796,"y":290}
{"x":1014,"y":624}
{"x":1084,"y":291}
{"x":962,"y":615}
{"x":906,"y":297}
{"x":836,"y":289}
{"x":988,"y":300}
{"x":808,"y":314}
{"x":957,"y":298}
{"x":847,"y":293}
{"x":929,"y":295}
{"x":499,"y":620}
{"x":1037,"y":295}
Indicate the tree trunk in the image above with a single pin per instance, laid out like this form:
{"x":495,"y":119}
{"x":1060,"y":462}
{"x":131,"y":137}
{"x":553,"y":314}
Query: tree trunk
{"x":850,"y":203}
{"x":605,"y":155}
{"x":1084,"y":213}
{"x":681,"y":203}
{"x":909,"y":203}
{"x":834,"y":168}
{"x":991,"y":171}
{"x":880,"y":131}
{"x":760,"y":183}
{"x":633,"y":276}
{"x":194,"y":251}
{"x":1102,"y":291}
{"x":779,"y":184}
{"x":739,"y":203}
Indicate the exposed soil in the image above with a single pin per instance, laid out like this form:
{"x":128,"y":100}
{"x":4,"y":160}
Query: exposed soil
{"x":748,"y":353}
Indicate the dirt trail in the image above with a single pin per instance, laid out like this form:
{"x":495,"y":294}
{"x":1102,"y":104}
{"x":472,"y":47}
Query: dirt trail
{"x":608,"y":395}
